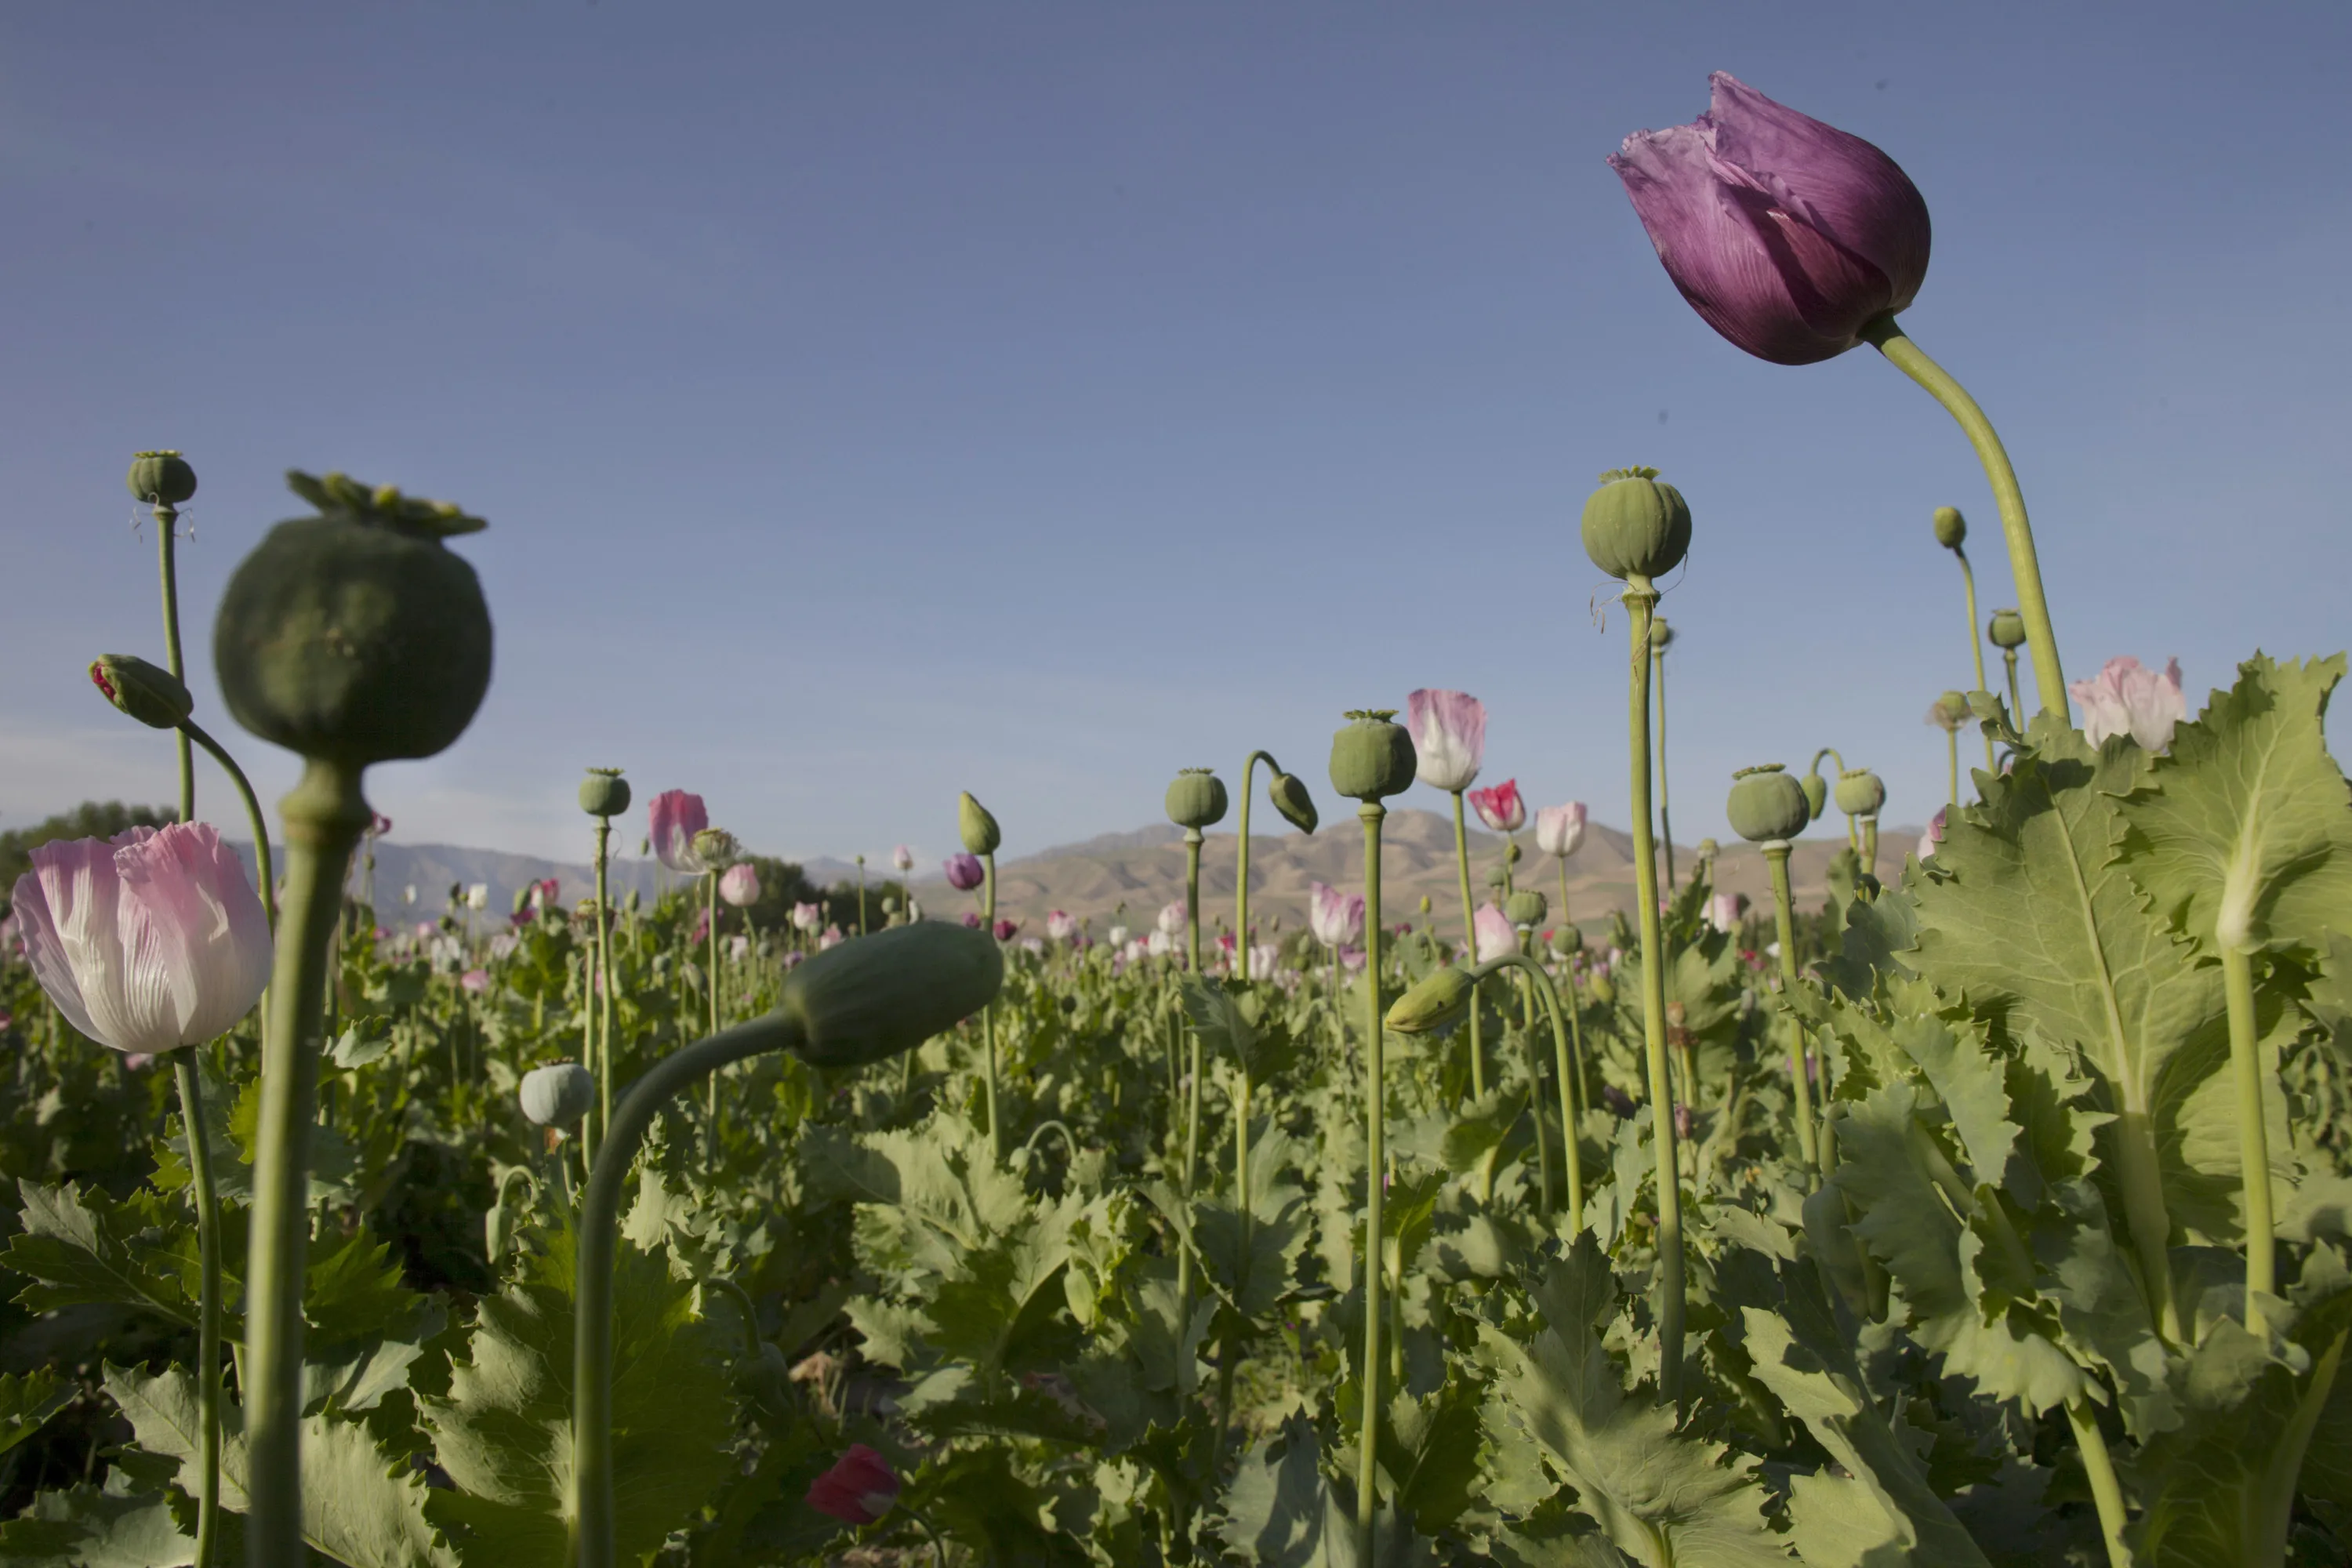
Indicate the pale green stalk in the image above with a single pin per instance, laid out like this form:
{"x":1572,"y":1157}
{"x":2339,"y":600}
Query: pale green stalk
{"x":988,"y":1013}
{"x":167,"y":517}
{"x":191,"y":729}
{"x":208,"y":1303}
{"x":1469,"y":946}
{"x":1571,"y":1067}
{"x":1192,"y":1084}
{"x":324,"y":815}
{"x":710,"y":1123}
{"x":601,"y":1010}
{"x":1870,"y":843}
{"x":1784,"y":926}
{"x":2009,"y":658}
{"x":1375,"y":1165}
{"x":1640,"y":599}
{"x":2253,"y":1138}
{"x":1533,"y":977}
{"x":1665,"y":826}
{"x":1976,"y":648}
{"x":2024,"y":565}
{"x":1952,"y":761}
{"x":2099,"y":1468}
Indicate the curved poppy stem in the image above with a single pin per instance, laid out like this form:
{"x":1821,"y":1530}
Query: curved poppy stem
{"x":208,"y":1301}
{"x":167,"y":517}
{"x":191,"y":730}
{"x":1540,"y":984}
{"x":2025,"y":564}
{"x":600,"y":1225}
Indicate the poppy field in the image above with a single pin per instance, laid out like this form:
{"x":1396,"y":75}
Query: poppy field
{"x":1991,"y":1209}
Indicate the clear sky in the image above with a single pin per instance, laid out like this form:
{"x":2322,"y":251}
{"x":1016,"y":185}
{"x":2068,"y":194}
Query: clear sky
{"x":872,"y":402}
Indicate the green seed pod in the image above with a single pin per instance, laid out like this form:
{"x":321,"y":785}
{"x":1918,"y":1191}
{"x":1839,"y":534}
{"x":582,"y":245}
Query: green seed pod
{"x":1766,"y":803}
{"x":1525,"y":908}
{"x":1496,"y":877}
{"x":870,"y":999}
{"x":557,"y":1096}
{"x":1636,"y":526}
{"x":1949,"y":712}
{"x":1951,"y":527}
{"x":1603,"y":989}
{"x":1860,"y":793}
{"x":980,"y":835}
{"x":149,"y":693}
{"x":1662,"y":636}
{"x":604,"y":793}
{"x":2007,"y":630}
{"x":1566,"y":940}
{"x":1371,"y":757}
{"x":1817,"y":794}
{"x":162,"y":479}
{"x":1289,"y":792}
{"x":715,"y":849}
{"x":1197,"y":799}
{"x":1441,"y":999}
{"x":355,"y":637}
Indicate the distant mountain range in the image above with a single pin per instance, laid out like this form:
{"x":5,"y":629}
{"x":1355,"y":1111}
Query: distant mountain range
{"x":1140,"y":871}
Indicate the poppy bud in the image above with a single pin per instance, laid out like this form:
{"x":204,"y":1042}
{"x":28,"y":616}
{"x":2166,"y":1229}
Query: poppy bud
{"x":557,"y":1096}
{"x":1567,"y":939}
{"x":1371,"y":757}
{"x":604,"y":793}
{"x":1289,"y":792}
{"x":1197,"y":799}
{"x":1767,"y":805}
{"x":148,"y":693}
{"x":1662,"y":636}
{"x":1817,"y":794}
{"x":2007,"y":630}
{"x":355,"y":635}
{"x":162,"y":479}
{"x":1636,"y":526}
{"x":1860,"y":793}
{"x":866,"y":1000}
{"x":1525,"y":908}
{"x":1951,"y":527}
{"x":980,"y":834}
{"x":1440,"y":1000}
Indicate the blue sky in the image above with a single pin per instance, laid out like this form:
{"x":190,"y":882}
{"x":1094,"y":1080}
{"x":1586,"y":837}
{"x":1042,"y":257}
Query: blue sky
{"x":875,"y":402}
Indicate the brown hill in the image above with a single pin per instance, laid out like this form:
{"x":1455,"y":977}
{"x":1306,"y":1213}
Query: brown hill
{"x":1142,"y":870}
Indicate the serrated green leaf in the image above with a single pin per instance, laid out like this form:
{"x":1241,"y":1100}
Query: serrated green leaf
{"x":80,"y":1247}
{"x":26,"y":1402}
{"x":87,"y":1528}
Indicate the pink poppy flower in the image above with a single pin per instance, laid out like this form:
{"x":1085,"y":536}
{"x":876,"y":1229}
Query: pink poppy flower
{"x":2125,"y":699}
{"x":1559,"y":829}
{"x":1449,"y":736}
{"x":1061,"y":926}
{"x":1501,"y":809}
{"x":1496,"y":937}
{"x":965,"y":872}
{"x":476,"y":981}
{"x":1337,"y":919}
{"x":740,"y":885}
{"x":677,"y":817}
{"x":860,"y":1488}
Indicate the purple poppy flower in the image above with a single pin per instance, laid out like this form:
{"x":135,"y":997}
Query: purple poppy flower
{"x":676,"y":817}
{"x":964,"y":872}
{"x":1789,"y":236}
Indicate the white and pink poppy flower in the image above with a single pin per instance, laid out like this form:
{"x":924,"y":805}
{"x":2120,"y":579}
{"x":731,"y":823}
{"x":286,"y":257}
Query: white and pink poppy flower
{"x":1501,"y":809}
{"x":740,"y":885}
{"x":2127,"y":698}
{"x":1449,"y":736}
{"x":1337,"y":919}
{"x":1496,"y":937}
{"x":1559,"y":829}
{"x":1061,"y":926}
{"x":677,"y":816}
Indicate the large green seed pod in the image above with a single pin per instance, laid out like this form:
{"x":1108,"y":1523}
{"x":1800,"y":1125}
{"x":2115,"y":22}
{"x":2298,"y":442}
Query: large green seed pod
{"x":2007,"y":630}
{"x":1766,"y":803}
{"x":1634,"y":526}
{"x":1441,"y":999}
{"x":1197,"y":799}
{"x":1525,"y":908}
{"x":355,"y":637}
{"x":1951,"y":527}
{"x":1371,"y":758}
{"x":881,"y":994}
{"x":162,"y":479}
{"x":1289,"y":792}
{"x":604,"y":793}
{"x":1567,"y":939}
{"x":980,"y":834}
{"x":148,"y":692}
{"x":1860,"y":793}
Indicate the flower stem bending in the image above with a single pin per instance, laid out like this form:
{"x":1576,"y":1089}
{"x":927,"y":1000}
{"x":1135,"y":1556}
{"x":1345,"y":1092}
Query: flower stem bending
{"x":191,"y":729}
{"x":208,"y":1302}
{"x":1540,"y":984}
{"x":1641,"y":600}
{"x":2024,"y":565}
{"x":324,"y":815}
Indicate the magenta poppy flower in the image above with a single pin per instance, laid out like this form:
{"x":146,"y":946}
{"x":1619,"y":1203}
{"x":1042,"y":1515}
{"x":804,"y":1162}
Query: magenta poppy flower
{"x":1449,"y":736}
{"x":146,"y":941}
{"x":2127,"y":698}
{"x":971,"y":920}
{"x":740,"y":885}
{"x":860,"y":1488}
{"x":1559,"y":829}
{"x":1006,"y":930}
{"x":379,"y":825}
{"x":1501,"y":809}
{"x":677,"y":817}
{"x":1789,"y":236}
{"x":965,"y":872}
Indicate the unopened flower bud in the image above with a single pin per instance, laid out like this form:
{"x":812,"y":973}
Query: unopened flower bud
{"x":1951,"y":527}
{"x":980,"y":834}
{"x":1438,"y":1001}
{"x":1289,"y":792}
{"x":863,"y":1001}
{"x":148,"y":692}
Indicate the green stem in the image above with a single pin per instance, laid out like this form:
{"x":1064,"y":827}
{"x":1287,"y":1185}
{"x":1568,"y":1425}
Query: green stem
{"x":1784,"y":926}
{"x":324,"y":816}
{"x":1375,"y":1168}
{"x":191,"y":729}
{"x":603,"y":1010}
{"x":2253,"y":1137}
{"x":988,"y":1013}
{"x":1192,"y":1082}
{"x":1906,"y":357}
{"x":1571,"y":1068}
{"x":2009,"y":658}
{"x":1870,"y":843}
{"x":1538,"y":983}
{"x":1640,"y":599}
{"x":1976,"y":645}
{"x":1665,"y":826}
{"x":2099,"y":1467}
{"x":600,"y":1221}
{"x":1241,"y":880}
{"x":1470,"y":947}
{"x":710,"y":1123}
{"x":1952,"y":763}
{"x":167,"y":517}
{"x":208,"y":1302}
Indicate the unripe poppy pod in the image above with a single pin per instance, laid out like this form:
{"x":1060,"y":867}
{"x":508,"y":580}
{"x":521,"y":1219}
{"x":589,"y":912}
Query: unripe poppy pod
{"x":1662,"y":636}
{"x":1567,"y":939}
{"x":557,"y":1096}
{"x":1525,"y":908}
{"x":1372,"y":758}
{"x":1860,"y":793}
{"x":355,"y":637}
{"x":162,"y":479}
{"x":866,"y":1000}
{"x":1951,"y":527}
{"x":1440,"y":1000}
{"x":1636,"y":526}
{"x":149,"y":693}
{"x":604,"y":793}
{"x":1289,"y":792}
{"x":2007,"y":630}
{"x":1766,"y":803}
{"x":1197,"y":799}
{"x":1817,"y":794}
{"x":980,"y":834}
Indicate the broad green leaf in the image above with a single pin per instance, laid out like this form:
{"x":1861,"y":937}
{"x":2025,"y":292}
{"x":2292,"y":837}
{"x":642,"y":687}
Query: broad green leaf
{"x":360,"y":1505}
{"x":26,"y":1402}
{"x":87,"y":1528}
{"x":1279,"y":1512}
{"x":81,"y":1247}
{"x":1230,"y":1019}
{"x":2245,"y":828}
